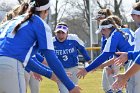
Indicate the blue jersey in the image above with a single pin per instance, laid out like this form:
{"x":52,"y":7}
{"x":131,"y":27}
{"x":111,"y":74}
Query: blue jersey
{"x":130,"y":36}
{"x":67,"y":51}
{"x":103,"y":42}
{"x":33,"y":31}
{"x":32,"y":36}
{"x":116,"y":42}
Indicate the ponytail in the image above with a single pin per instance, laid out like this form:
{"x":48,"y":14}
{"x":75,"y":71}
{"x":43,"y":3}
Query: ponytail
{"x":108,"y":12}
{"x":31,"y":12}
{"x":117,"y":27}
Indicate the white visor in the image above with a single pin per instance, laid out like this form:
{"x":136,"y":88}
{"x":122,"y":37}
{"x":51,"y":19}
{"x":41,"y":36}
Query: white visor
{"x":102,"y":27}
{"x":61,"y":28}
{"x":135,"y":12}
{"x":44,"y":7}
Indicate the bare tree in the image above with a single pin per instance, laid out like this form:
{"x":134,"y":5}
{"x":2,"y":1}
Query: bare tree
{"x":116,"y":6}
{"x":59,"y":12}
{"x":86,"y":8}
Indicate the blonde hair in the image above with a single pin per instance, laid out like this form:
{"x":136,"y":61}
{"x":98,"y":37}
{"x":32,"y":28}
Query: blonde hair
{"x":136,"y":6}
{"x":115,"y":18}
{"x":17,"y":10}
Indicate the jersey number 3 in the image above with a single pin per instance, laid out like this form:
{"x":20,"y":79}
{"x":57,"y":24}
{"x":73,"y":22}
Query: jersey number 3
{"x":65,"y":57}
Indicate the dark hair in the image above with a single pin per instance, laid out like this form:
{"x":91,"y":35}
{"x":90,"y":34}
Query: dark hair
{"x":18,"y":10}
{"x":136,"y":6}
{"x":32,"y":11}
{"x":24,"y":7}
{"x":105,"y":12}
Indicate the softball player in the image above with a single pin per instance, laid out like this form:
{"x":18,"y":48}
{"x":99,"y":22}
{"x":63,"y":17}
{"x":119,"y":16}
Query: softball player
{"x":107,"y":78}
{"x":130,"y":34}
{"x":20,"y":40}
{"x":66,"y":48}
{"x":116,"y":40}
{"x":133,"y":82}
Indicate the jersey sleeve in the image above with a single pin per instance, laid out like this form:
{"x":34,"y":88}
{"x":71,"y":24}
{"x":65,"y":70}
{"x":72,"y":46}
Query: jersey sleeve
{"x":99,"y":60}
{"x":44,"y":35}
{"x":39,"y":57}
{"x":133,"y":54}
{"x":39,"y":68}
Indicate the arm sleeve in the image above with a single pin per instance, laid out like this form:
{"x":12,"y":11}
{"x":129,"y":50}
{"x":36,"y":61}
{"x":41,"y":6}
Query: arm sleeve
{"x":84,"y":53}
{"x":133,"y":54}
{"x":57,"y":68}
{"x":99,"y":60}
{"x":39,"y":57}
{"x":27,"y":69}
{"x":81,"y":48}
{"x":35,"y":66}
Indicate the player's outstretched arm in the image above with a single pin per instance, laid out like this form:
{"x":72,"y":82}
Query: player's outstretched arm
{"x":123,"y":57}
{"x":82,"y":73}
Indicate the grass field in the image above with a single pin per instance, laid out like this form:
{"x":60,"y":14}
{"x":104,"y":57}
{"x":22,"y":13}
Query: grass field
{"x":91,"y":84}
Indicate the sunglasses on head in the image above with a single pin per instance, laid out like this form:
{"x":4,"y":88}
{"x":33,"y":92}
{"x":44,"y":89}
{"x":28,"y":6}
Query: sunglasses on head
{"x":62,"y":27}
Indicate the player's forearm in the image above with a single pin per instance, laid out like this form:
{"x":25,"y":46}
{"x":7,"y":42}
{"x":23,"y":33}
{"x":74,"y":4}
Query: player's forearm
{"x":35,"y":66}
{"x":84,"y":53}
{"x":39,"y":57}
{"x":99,"y":60}
{"x":108,"y":63}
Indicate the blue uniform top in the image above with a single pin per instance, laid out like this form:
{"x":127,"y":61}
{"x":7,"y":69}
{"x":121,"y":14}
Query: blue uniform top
{"x":135,"y":56}
{"x":31,"y":39}
{"x":103,"y":42}
{"x":33,"y":35}
{"x":67,"y":51}
{"x":116,"y":42}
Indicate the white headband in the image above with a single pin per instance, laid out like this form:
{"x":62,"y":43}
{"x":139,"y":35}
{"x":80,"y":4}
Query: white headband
{"x":135,"y":12}
{"x":102,"y":27}
{"x":61,"y":28}
{"x":44,"y":7}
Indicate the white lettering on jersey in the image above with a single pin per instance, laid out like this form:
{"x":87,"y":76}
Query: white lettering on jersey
{"x":64,"y":52}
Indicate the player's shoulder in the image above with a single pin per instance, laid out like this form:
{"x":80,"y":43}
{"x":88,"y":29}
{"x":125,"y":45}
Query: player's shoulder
{"x":40,"y":22}
{"x":54,"y":39}
{"x":72,"y":37}
{"x":137,"y":31}
{"x":117,"y":32}
{"x":75,"y":37}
